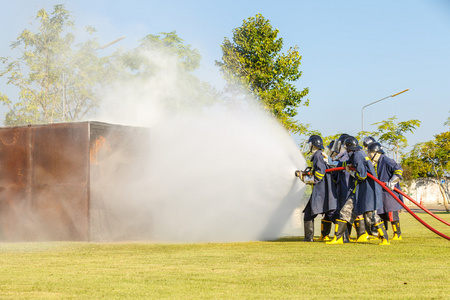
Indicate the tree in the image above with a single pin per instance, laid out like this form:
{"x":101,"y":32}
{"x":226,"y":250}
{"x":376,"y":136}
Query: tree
{"x":170,"y":43}
{"x":414,"y":166}
{"x":56,"y":83}
{"x":392,"y":134}
{"x":431,"y":159}
{"x":59,"y":81}
{"x":145,"y":61}
{"x":253,"y":59}
{"x":437,"y":154}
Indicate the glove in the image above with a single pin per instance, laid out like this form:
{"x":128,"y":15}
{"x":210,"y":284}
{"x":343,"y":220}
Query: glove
{"x":308,"y":179}
{"x":391,"y":184}
{"x":334,"y":163}
{"x":352,"y":173}
{"x":325,"y":157}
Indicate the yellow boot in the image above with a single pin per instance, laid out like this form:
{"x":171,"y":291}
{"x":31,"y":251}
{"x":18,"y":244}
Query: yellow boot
{"x":397,"y":231}
{"x":397,"y":237}
{"x":339,"y":233}
{"x":361,"y":233}
{"x":382,"y":234}
{"x":363,"y":237}
{"x":384,"y":242}
{"x":325,"y":230}
{"x":336,"y":240}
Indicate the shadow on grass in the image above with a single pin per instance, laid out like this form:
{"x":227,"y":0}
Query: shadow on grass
{"x":288,"y":239}
{"x":294,"y":239}
{"x":316,"y":240}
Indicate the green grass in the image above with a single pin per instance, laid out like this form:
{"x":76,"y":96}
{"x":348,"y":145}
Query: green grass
{"x":416,"y":267}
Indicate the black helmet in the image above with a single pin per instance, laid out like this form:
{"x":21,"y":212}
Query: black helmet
{"x":331,"y":144}
{"x":315,"y":141}
{"x":368,"y":140}
{"x":351,"y":144}
{"x":375,"y":147}
{"x":343,"y":137}
{"x":339,"y":142}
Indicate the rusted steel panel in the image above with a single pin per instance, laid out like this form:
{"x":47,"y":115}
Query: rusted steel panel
{"x":71,"y":181}
{"x":117,"y":158}
{"x":44,"y":182}
{"x":60,"y":179}
{"x":14,"y":184}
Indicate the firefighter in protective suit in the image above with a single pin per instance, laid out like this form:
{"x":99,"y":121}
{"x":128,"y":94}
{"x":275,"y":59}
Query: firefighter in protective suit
{"x":323,"y":196}
{"x":390,"y":172}
{"x":373,"y":232}
{"x":339,"y":153}
{"x":365,"y":197}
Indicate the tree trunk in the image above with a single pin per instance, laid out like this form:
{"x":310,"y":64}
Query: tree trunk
{"x":444,"y":195}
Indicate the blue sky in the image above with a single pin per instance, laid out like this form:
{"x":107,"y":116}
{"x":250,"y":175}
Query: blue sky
{"x":354,"y":52}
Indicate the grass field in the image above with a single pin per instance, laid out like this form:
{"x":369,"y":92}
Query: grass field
{"x":416,"y":267}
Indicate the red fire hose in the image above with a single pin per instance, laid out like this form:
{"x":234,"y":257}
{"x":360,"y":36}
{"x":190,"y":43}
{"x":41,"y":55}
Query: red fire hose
{"x":383,"y":185}
{"x":421,"y":207}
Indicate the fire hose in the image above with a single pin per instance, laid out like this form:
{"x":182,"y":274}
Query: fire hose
{"x":421,"y":207}
{"x":383,"y":185}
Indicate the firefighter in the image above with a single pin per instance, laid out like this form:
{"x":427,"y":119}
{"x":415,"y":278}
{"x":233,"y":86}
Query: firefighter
{"x":365,"y":196}
{"x":390,"y":172}
{"x":339,"y":154}
{"x":373,"y":232}
{"x":323,"y":196}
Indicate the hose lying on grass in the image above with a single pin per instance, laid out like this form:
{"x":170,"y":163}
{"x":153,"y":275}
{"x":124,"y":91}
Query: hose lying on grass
{"x":421,"y":207}
{"x":383,"y":185}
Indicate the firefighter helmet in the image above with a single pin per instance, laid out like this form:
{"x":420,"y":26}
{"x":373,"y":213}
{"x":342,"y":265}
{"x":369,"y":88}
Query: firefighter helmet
{"x":339,"y":142}
{"x":343,"y":137}
{"x":315,"y":141}
{"x":351,"y":144}
{"x":331,"y":144}
{"x":375,"y":147}
{"x":368,"y":140}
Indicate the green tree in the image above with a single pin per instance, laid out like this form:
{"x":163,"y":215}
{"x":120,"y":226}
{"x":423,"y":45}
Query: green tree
{"x":430,"y":159}
{"x":56,"y":82}
{"x":137,"y":61}
{"x":61,"y":81}
{"x":144,"y":62}
{"x":414,"y":166}
{"x":391,"y":134}
{"x":253,"y":59}
{"x":437,"y":154}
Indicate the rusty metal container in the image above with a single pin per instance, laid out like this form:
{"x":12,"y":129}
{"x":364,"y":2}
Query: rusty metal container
{"x":52,"y":177}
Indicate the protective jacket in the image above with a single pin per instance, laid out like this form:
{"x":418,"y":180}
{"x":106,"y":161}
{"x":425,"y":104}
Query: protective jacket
{"x":342,"y":179}
{"x":367,"y":192}
{"x":323,"y":196}
{"x":386,"y":168}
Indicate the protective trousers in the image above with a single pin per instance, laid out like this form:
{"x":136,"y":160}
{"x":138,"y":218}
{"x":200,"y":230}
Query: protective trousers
{"x":346,"y":213}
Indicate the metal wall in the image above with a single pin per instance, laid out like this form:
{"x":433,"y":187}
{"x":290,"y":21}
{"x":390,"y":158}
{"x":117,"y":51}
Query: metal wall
{"x":118,"y":187}
{"x":70,"y":181}
{"x":44,"y":182}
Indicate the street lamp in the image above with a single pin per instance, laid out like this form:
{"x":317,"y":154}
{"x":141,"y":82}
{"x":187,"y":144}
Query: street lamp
{"x":110,"y":43}
{"x":362,"y":110}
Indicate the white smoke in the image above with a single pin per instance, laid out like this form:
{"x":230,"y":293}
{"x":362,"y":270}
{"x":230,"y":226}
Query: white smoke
{"x":216,"y":173}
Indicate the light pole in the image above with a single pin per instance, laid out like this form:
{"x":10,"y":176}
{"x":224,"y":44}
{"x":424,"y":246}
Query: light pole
{"x":110,"y":43}
{"x":64,"y":75}
{"x":362,"y":110}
